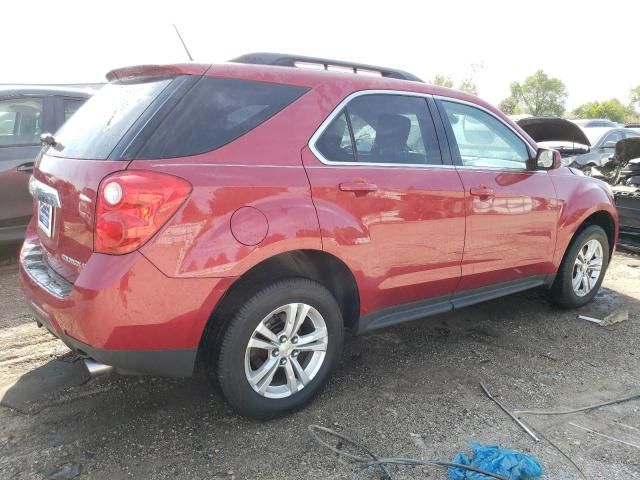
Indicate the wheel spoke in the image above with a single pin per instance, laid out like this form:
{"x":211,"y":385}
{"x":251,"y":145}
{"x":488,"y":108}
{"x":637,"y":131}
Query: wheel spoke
{"x":266,"y":333}
{"x":320,"y":346}
{"x":577,"y":281}
{"x":291,"y":312}
{"x":292,"y":382}
{"x":261,"y":344}
{"x":262,"y":377}
{"x":302,"y":376}
{"x":595,"y":263}
{"x":591,"y":250}
{"x":586,"y":283}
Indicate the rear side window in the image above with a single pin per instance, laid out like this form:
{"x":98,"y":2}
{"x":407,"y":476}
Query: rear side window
{"x":94,"y":131}
{"x":20,"y":121}
{"x":215,"y":112}
{"x":390,"y":129}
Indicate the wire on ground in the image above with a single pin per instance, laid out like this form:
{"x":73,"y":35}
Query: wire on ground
{"x":372,"y":460}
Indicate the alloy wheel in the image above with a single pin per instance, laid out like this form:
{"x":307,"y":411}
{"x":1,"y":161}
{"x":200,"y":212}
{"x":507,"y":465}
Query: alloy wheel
{"x":286,"y":350}
{"x":587,"y":267}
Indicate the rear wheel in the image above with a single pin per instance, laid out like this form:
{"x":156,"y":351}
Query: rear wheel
{"x":582,"y":269}
{"x":280,"y":348}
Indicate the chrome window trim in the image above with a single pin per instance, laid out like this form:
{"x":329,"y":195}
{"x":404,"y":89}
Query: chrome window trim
{"x":338,"y":109}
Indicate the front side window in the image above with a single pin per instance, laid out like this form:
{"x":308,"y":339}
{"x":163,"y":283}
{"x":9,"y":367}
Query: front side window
{"x":381,"y":128}
{"x":611,"y":139}
{"x":20,"y":121}
{"x":483,"y":140}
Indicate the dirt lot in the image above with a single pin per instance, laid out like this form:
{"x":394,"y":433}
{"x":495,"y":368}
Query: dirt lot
{"x":406,"y":391}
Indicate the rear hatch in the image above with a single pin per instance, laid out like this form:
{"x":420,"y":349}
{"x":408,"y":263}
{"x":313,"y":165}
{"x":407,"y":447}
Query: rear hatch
{"x":90,"y":146}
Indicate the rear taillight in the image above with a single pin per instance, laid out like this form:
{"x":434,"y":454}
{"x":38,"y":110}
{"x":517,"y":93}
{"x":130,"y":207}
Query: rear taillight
{"x":132,"y":206}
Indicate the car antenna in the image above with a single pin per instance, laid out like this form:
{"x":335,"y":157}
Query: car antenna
{"x":183,"y":44}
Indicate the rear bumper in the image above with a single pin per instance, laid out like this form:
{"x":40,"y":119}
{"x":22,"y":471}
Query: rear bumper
{"x":170,"y":363}
{"x":122,"y":311}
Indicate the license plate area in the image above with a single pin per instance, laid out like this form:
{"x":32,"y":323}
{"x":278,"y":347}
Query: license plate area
{"x":45,"y":217}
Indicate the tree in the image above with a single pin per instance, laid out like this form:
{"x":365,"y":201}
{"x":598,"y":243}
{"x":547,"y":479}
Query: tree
{"x":442,"y":81}
{"x":634,"y":96}
{"x":612,"y":110}
{"x":469,"y":86}
{"x":539,"y":94}
{"x":509,"y":106}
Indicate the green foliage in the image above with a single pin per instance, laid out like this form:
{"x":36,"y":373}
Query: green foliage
{"x":509,"y":106}
{"x":469,"y":86}
{"x":613,"y":110}
{"x":634,"y":96}
{"x":442,"y":81}
{"x":539,"y":94}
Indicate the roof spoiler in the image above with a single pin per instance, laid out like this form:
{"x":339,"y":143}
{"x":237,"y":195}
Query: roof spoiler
{"x":285,"y":60}
{"x":142,"y":71}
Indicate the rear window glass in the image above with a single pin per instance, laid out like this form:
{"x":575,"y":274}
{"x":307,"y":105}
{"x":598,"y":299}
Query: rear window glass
{"x":215,"y":112}
{"x":97,"y":127}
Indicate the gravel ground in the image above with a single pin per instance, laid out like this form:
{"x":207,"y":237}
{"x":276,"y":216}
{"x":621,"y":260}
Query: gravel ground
{"x":406,"y":391}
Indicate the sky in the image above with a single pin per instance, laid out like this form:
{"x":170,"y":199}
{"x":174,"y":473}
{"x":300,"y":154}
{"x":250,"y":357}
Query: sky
{"x":494,"y":42}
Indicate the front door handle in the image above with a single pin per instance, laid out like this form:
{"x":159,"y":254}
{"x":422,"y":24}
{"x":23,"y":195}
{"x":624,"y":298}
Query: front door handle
{"x":482,"y":191}
{"x":25,"y":168}
{"x":358,"y":187}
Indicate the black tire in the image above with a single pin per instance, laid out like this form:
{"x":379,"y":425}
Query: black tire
{"x":230,"y":368}
{"x":562,"y":292}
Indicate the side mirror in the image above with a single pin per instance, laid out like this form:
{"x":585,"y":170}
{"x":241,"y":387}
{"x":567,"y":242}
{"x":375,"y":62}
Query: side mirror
{"x":610,"y":144}
{"x":548,"y":159}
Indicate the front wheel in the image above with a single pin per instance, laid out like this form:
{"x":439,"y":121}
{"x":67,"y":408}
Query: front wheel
{"x":582,"y":270}
{"x":280,"y":348}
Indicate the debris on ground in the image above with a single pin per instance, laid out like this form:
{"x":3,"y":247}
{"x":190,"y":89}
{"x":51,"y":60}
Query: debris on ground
{"x":615,"y":317}
{"x":608,"y":437}
{"x":66,"y":471}
{"x":590,"y":319}
{"x":507,"y":463}
{"x":505,"y":410}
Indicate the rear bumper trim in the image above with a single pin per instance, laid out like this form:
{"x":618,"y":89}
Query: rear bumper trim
{"x":35,"y":266}
{"x":166,"y":363}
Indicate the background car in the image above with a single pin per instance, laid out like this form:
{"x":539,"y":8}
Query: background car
{"x":25,"y":113}
{"x":595,"y":122}
{"x":603,"y":143}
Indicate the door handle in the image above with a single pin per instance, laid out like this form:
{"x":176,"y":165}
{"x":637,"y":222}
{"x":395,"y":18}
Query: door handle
{"x":25,"y":168}
{"x":358,"y":187}
{"x":482,"y":191}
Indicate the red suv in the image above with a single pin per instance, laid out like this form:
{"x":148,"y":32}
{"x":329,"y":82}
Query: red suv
{"x":247,"y":213}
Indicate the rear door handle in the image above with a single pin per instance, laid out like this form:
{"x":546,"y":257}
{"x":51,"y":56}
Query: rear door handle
{"x":25,"y":168}
{"x":482,"y":191}
{"x":358,"y":187}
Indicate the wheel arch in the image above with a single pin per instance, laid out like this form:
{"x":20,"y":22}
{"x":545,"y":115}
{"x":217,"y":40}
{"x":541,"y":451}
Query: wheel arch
{"x":317,"y":265}
{"x":603,"y":219}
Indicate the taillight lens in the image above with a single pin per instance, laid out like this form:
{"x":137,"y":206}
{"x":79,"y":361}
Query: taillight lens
{"x":132,"y":206}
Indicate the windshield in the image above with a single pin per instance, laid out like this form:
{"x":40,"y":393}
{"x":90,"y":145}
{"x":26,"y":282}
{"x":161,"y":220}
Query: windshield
{"x":97,"y":127}
{"x":595,"y":134}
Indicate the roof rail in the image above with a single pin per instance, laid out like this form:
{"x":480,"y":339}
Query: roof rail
{"x":285,"y":60}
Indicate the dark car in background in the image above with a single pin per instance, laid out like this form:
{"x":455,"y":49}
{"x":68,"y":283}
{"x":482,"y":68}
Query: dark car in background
{"x":603,"y":143}
{"x":25,"y":113}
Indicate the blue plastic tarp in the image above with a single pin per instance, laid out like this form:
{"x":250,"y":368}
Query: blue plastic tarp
{"x":491,"y":458}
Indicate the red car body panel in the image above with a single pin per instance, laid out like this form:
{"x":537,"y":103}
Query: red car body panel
{"x":512,"y":232}
{"x":421,"y":234}
{"x":399,"y":250}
